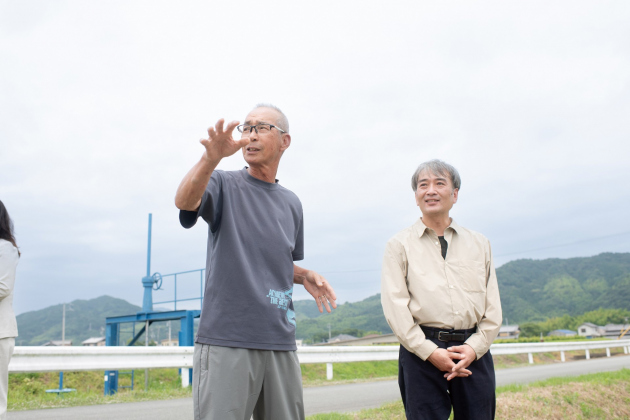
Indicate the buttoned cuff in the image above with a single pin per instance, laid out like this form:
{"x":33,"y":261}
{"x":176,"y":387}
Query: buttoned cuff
{"x":477,"y":342}
{"x":426,"y":348}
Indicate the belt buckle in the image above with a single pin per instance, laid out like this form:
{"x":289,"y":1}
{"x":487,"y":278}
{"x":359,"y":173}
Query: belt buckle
{"x":440,"y":335}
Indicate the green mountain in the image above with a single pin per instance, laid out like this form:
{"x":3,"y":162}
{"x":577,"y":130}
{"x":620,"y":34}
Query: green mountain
{"x":84,"y":319}
{"x":356,"y":318}
{"x":533,"y":290}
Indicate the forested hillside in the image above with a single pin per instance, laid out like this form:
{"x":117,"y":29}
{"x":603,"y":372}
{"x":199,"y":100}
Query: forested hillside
{"x":534,"y":290}
{"x":358,"y":319}
{"x":84,"y":319}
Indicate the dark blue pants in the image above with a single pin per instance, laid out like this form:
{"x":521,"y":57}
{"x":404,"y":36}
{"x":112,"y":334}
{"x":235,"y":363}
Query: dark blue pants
{"x":427,"y":395}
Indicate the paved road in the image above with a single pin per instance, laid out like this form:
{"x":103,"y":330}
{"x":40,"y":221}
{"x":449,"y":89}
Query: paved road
{"x":350,"y":397}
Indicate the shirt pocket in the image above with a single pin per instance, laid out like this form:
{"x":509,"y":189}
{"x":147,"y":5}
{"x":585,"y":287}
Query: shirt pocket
{"x":472,"y":280}
{"x":471,"y":275}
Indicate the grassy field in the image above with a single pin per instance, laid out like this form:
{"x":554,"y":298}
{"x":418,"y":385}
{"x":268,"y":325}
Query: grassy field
{"x":597,"y":396}
{"x":27,"y":391}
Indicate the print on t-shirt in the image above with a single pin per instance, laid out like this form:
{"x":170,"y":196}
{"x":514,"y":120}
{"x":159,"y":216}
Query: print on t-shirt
{"x":282,"y":299}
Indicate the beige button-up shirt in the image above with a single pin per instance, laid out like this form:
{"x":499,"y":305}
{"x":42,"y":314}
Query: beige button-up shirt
{"x":419,"y":287}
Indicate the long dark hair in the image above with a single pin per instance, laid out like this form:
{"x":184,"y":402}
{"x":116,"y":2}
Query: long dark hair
{"x":6,"y":226}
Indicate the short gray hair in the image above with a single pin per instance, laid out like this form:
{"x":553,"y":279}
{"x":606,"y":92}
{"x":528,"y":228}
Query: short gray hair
{"x":437,"y":167}
{"x":283,"y":121}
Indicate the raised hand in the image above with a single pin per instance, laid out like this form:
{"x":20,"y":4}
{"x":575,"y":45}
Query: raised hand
{"x":218,"y":145}
{"x":321,"y":290}
{"x":220,"y":142}
{"x":317,"y":286}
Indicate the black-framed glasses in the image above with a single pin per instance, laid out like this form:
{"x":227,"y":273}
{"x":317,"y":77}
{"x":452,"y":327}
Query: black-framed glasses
{"x":258,"y":128}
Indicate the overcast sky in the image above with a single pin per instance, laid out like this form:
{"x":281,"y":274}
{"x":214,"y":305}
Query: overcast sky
{"x":102,"y":105}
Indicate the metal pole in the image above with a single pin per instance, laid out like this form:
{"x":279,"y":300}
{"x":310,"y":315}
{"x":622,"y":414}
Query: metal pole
{"x":146,"y":343}
{"x":149,"y":248}
{"x":63,"y":325}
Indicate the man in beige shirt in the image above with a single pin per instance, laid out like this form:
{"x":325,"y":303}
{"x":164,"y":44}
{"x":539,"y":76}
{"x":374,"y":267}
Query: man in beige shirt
{"x":440,"y":297}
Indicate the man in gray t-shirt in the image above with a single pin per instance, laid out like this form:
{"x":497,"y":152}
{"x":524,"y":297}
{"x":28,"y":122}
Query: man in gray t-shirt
{"x":245,"y":359}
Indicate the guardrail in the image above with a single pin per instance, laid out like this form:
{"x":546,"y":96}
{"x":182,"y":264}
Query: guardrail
{"x":53,"y":359}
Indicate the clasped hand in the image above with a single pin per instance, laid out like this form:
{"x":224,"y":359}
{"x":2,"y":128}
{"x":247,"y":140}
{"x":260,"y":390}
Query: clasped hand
{"x":444,"y":359}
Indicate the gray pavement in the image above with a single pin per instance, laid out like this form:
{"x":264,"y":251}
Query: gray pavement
{"x":340,"y":398}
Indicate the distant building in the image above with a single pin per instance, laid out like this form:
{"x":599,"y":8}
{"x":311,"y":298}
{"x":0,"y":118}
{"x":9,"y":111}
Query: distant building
{"x":341,"y":337}
{"x":614,"y":330}
{"x":562,"y":333}
{"x":94,"y":342}
{"x":367,"y":340}
{"x":58,"y":343}
{"x":608,"y":331}
{"x":590,"y":330}
{"x":169,"y":343}
{"x":299,"y":343}
{"x":507,"y":332}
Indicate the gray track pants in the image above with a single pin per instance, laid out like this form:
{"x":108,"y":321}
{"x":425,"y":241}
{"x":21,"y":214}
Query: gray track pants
{"x":232,"y":384}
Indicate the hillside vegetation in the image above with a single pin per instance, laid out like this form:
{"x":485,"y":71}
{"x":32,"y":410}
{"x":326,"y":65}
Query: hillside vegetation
{"x":534,"y":290}
{"x":358,"y":319}
{"x":84,"y":319}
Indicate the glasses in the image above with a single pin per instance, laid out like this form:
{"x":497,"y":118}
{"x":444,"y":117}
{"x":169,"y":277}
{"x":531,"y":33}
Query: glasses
{"x":258,"y":128}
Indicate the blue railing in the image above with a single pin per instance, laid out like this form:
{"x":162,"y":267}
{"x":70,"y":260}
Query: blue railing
{"x":175,"y":300}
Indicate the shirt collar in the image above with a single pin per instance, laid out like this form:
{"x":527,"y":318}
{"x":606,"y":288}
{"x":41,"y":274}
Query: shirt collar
{"x":421,"y":228}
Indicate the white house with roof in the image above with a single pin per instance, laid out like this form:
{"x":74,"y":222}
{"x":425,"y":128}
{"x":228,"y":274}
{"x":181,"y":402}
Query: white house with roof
{"x":58,"y":343}
{"x":507,"y":332}
{"x":589,"y":329}
{"x":94,"y":342}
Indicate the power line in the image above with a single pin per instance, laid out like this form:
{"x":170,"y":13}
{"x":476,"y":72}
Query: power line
{"x":502,"y":255}
{"x":348,"y":271}
{"x":566,"y":244}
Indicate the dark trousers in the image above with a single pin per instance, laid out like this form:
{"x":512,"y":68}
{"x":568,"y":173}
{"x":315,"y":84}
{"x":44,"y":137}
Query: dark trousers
{"x":427,"y":395}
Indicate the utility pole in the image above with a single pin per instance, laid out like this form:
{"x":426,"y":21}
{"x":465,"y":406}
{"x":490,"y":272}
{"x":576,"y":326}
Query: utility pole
{"x":63,"y":325}
{"x":329,"y":335}
{"x":146,"y":343}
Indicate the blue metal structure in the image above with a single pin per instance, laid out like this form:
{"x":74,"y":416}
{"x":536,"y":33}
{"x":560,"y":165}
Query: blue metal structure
{"x":61,"y":389}
{"x":147,"y":316}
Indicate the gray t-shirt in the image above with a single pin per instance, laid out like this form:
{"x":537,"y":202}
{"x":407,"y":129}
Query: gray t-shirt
{"x":256,"y":231}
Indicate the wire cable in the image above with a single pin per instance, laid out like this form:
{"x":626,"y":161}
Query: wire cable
{"x":503,"y":255}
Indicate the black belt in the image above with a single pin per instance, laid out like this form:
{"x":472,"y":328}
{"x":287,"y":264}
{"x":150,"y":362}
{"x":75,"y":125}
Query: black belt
{"x":448,"y":335}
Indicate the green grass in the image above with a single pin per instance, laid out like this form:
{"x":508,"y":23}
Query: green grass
{"x":315,"y":374}
{"x":27,"y":391}
{"x":391,"y":411}
{"x":601,"y":378}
